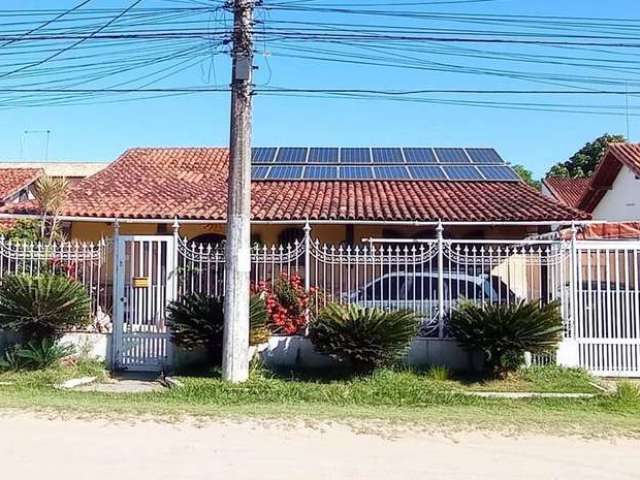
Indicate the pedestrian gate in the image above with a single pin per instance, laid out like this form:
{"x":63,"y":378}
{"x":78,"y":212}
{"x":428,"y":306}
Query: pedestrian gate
{"x":145,"y":284}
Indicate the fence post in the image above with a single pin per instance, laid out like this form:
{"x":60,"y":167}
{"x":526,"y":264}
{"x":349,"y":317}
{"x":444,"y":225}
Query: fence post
{"x":116,"y":305}
{"x":440,"y":238}
{"x":573,"y":301}
{"x":176,"y":242}
{"x":307,"y":256}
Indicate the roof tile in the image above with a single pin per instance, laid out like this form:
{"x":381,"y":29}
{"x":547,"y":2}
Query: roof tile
{"x":191,"y":183}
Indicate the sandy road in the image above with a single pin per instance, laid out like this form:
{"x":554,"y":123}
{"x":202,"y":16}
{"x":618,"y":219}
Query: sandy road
{"x":34,"y":447}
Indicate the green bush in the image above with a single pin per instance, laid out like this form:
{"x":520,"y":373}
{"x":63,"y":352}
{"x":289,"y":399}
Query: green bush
{"x":37,"y":355}
{"x":367,"y":338}
{"x":43,"y":306}
{"x":196,"y":322}
{"x":503,"y":333}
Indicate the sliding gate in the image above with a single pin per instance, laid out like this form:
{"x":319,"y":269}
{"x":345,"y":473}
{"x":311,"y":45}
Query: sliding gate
{"x":145,"y":283}
{"x":607,"y":280}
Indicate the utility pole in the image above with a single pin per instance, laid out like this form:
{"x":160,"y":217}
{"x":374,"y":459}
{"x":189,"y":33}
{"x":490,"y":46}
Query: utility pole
{"x":235,"y":359}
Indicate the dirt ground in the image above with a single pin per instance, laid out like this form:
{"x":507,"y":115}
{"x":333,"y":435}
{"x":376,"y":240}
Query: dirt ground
{"x":35,"y":447}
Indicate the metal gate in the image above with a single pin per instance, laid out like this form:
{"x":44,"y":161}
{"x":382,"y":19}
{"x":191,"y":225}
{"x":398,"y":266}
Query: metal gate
{"x":607,"y":280}
{"x":145,"y":283}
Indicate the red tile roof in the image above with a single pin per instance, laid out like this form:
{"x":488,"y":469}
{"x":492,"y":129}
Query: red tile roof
{"x":12,"y":180}
{"x":191,"y":183}
{"x":568,"y":190}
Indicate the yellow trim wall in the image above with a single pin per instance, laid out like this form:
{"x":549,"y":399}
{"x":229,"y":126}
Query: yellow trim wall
{"x":268,"y":234}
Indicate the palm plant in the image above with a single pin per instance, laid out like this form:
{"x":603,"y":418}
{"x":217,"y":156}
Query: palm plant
{"x":50,"y":194}
{"x":43,"y":353}
{"x":42,"y":306}
{"x":503,"y":333}
{"x":367,"y":338}
{"x":196,"y":322}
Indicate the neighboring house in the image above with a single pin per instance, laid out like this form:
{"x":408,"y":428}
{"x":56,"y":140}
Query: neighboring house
{"x":16,"y":184}
{"x":72,"y":171}
{"x":346,"y":194}
{"x":611,"y":194}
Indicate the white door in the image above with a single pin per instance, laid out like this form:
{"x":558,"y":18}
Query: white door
{"x":144,"y":284}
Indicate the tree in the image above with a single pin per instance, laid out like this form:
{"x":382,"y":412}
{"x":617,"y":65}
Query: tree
{"x":527,"y":176}
{"x":584,"y":162}
{"x":51,"y":193}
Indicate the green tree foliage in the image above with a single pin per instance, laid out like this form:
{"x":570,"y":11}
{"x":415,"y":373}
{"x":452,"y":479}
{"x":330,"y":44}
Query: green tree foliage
{"x":42,"y":306}
{"x":503,"y":333}
{"x":527,"y":176}
{"x":23,"y":230}
{"x":584,"y":162}
{"x":367,"y":338}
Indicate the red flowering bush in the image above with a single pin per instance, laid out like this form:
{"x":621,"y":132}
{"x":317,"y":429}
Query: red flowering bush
{"x":57,"y":266}
{"x":287,"y":303}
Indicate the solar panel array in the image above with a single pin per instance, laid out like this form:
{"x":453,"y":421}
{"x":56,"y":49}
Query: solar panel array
{"x":456,"y":164}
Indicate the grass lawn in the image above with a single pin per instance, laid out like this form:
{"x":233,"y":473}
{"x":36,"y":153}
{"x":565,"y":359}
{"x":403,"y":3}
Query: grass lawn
{"x":404,"y":398}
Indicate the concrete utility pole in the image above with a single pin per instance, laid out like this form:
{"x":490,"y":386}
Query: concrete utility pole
{"x":235,"y":360}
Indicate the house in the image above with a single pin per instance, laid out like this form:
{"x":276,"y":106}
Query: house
{"x":611,"y":194}
{"x":16,"y":184}
{"x":347,"y":195}
{"x":72,"y":171}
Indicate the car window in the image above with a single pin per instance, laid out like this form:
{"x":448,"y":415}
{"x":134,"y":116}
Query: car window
{"x":459,"y":289}
{"x":423,"y":288}
{"x":387,"y":288}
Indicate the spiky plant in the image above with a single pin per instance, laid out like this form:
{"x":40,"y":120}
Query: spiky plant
{"x":42,"y":354}
{"x":196,"y":321}
{"x":503,"y":333}
{"x":50,"y":194}
{"x":367,"y":338}
{"x":43,"y":306}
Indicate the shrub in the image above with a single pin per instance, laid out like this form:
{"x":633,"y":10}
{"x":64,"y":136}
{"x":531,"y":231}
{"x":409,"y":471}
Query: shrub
{"x":287,"y":304}
{"x":503,"y":333}
{"x":439,"y":373}
{"x":367,"y":338}
{"x":43,"y":306}
{"x":196,"y":321}
{"x":37,"y":355}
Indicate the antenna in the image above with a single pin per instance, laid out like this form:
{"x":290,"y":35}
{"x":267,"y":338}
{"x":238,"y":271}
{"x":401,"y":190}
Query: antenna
{"x":36,"y":132}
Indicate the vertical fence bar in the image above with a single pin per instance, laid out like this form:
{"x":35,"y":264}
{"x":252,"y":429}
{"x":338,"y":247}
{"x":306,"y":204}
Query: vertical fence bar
{"x":440,"y":239}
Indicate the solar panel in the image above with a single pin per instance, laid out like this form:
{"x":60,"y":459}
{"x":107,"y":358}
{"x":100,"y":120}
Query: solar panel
{"x":391,"y":173}
{"x":263,"y":155}
{"x":356,"y":173}
{"x":285,"y":172}
{"x":387,"y":155}
{"x":452,"y":155}
{"x":484,"y":155}
{"x":427,"y":172}
{"x":462,"y":172}
{"x":259,"y":173}
{"x":420,"y":155}
{"x":292,"y":155}
{"x":355,"y":155}
{"x":324,"y":155}
{"x":317,"y":172}
{"x":498,"y":172}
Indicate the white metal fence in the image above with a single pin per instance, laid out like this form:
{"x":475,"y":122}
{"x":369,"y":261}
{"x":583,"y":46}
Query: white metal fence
{"x":596,"y":283}
{"x":88,"y":263}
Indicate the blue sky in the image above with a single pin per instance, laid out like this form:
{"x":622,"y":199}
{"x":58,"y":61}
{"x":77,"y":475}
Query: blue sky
{"x":101,"y":131}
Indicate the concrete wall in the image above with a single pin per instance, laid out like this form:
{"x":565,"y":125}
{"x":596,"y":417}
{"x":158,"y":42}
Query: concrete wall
{"x":622,"y":202}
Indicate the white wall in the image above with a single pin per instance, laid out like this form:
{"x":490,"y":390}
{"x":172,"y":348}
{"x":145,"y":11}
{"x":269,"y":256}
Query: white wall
{"x":622,"y":202}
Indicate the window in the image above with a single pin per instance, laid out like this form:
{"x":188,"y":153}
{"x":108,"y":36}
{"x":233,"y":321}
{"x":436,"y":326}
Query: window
{"x":461,"y":289}
{"x":209,"y":238}
{"x":423,"y":288}
{"x":290,"y":236}
{"x":387,"y":288}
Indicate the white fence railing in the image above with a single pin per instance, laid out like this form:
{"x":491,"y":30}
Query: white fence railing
{"x":430,"y":276}
{"x":596,"y":283}
{"x":88,"y":263}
